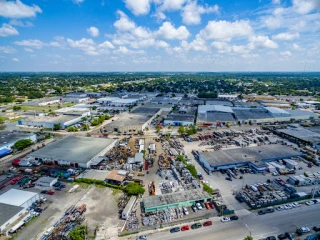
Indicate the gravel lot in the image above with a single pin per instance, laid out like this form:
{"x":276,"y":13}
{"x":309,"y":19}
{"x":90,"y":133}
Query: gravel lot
{"x":101,"y":211}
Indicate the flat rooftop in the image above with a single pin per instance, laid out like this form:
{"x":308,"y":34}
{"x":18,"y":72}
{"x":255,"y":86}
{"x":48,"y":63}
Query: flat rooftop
{"x":249,"y":154}
{"x":302,"y":133}
{"x":113,"y":175}
{"x":73,"y":149}
{"x":9,"y":137}
{"x":244,"y":114}
{"x":171,"y":198}
{"x":216,"y":117}
{"x":181,"y":117}
{"x":146,"y":110}
{"x":8,"y":211}
{"x":95,"y":174}
{"x":217,"y":102}
{"x":53,"y":119}
{"x":16,"y":197}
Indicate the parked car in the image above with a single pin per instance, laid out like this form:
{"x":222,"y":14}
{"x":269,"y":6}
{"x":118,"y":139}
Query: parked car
{"x":176,"y":229}
{"x":233,"y":218}
{"x":229,"y":179}
{"x":202,"y":205}
{"x":44,"y":191}
{"x":38,"y":210}
{"x":141,"y":238}
{"x":310,"y":203}
{"x":225,"y":219}
{"x":211,"y":205}
{"x":50,"y":192}
{"x":194,"y":208}
{"x":302,"y":230}
{"x":196,"y":225}
{"x":271,"y":238}
{"x":295,"y":204}
{"x":198,"y":206}
{"x":262,"y":212}
{"x":280,"y":208}
{"x":316,"y":228}
{"x":185,"y":228}
{"x":207,"y":223}
{"x":269,"y":210}
{"x":185,"y":211}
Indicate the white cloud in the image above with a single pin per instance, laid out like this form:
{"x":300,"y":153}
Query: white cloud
{"x":124,"y":23}
{"x":161,"y":44}
{"x":260,"y":42}
{"x":285,"y":54}
{"x":106,"y":44}
{"x":93,"y":31}
{"x":223,"y":47}
{"x":191,"y":13}
{"x":296,"y":47}
{"x":15,"y":22}
{"x":160,"y":16}
{"x":170,"y":5}
{"x":305,"y":6}
{"x":7,"y":30}
{"x":28,"y":49}
{"x":84,"y":44}
{"x":285,"y":36}
{"x":15,"y":59}
{"x":125,"y":50}
{"x":138,"y":7}
{"x":168,"y":31}
{"x":226,"y":31}
{"x":7,"y":49}
{"x":16,"y":9}
{"x":32,"y":43}
{"x":198,"y":44}
{"x":276,"y":1}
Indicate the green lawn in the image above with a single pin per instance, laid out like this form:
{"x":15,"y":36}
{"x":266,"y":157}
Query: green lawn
{"x":44,"y":108}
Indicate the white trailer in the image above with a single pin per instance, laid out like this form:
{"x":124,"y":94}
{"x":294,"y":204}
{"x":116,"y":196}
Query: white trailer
{"x":127,"y":210}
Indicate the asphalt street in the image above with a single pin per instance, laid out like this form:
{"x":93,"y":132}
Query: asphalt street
{"x":260,"y":226}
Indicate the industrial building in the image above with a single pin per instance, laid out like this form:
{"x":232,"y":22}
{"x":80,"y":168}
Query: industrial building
{"x":46,"y":181}
{"x":117,"y":102}
{"x":253,"y":157}
{"x":301,"y":135}
{"x":9,"y":214}
{"x":137,"y":120}
{"x":71,"y":111}
{"x":19,"y":198}
{"x":74,"y":151}
{"x":116,"y":177}
{"x":43,"y":102}
{"x":76,"y":97}
{"x":8,"y":139}
{"x":275,"y":103}
{"x":165,"y":100}
{"x":174,"y":200}
{"x":179,"y":120}
{"x":228,"y":96}
{"x":50,"y":121}
{"x":222,"y":115}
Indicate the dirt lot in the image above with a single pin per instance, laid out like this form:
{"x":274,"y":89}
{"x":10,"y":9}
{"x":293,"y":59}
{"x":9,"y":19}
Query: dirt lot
{"x":101,"y":212}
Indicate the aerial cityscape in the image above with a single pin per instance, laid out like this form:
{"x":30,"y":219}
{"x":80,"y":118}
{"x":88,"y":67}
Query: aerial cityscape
{"x":159,"y":119}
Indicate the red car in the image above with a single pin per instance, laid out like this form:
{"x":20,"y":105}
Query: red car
{"x":207,"y":223}
{"x":211,"y":205}
{"x":50,"y":192}
{"x":185,"y":228}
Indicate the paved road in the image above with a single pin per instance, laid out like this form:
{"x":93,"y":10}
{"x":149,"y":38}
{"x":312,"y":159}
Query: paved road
{"x":260,"y":226}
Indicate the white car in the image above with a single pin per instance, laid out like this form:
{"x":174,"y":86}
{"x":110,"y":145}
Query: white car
{"x":198,"y":206}
{"x":316,"y":201}
{"x":280,"y":208}
{"x":295,"y":204}
{"x":185,"y":210}
{"x":225,"y":219}
{"x":310,"y":203}
{"x":287,"y":207}
{"x":275,"y":174}
{"x":34,"y":214}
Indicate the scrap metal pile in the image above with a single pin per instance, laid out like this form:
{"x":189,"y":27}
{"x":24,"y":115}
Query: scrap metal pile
{"x":164,"y":162}
{"x":162,"y":216}
{"x":166,"y":174}
{"x":150,"y":220}
{"x":118,"y":156}
{"x":132,"y":222}
{"x":167,"y":186}
{"x":72,"y":218}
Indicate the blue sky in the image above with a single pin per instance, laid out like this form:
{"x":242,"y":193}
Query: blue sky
{"x":160,"y":35}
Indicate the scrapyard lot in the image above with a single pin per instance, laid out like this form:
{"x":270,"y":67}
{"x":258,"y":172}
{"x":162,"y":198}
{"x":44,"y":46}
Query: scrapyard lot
{"x":98,"y":215}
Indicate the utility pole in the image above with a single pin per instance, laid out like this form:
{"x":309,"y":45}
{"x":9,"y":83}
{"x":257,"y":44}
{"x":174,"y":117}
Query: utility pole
{"x":314,"y":187}
{"x":248,"y":229}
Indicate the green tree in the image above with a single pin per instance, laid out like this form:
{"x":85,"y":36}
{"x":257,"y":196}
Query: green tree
{"x":16,"y":108}
{"x":94,"y":108}
{"x":248,"y":238}
{"x":192,"y":170}
{"x":181,"y":130}
{"x":56,"y":127}
{"x":207,"y":188}
{"x":20,"y":100}
{"x":78,"y":233}
{"x":22,"y":144}
{"x":158,"y":128}
{"x":72,"y":129}
{"x":2,"y":119}
{"x":134,"y":189}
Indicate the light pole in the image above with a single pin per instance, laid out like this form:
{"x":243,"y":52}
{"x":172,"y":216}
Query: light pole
{"x":248,"y":229}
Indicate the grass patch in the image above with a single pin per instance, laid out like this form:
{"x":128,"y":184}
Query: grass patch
{"x":116,"y":191}
{"x":2,"y":126}
{"x":44,"y":108}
